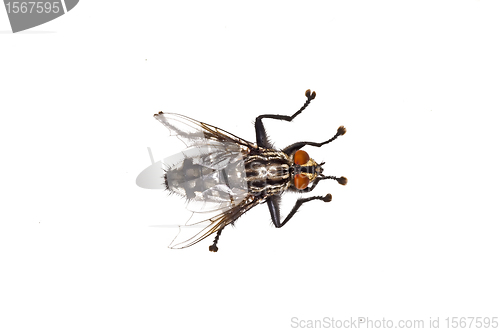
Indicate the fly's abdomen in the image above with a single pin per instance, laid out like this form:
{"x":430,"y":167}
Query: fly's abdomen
{"x":211,"y":174}
{"x":267,"y":173}
{"x":188,"y":179}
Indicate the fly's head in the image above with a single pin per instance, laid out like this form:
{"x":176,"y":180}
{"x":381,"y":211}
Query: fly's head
{"x":305,"y":170}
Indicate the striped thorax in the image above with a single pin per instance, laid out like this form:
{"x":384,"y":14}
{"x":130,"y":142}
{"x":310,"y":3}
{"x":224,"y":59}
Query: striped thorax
{"x":268,"y":172}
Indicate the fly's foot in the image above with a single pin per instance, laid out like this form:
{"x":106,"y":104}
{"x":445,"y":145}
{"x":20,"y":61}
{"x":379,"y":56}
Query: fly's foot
{"x":342,"y":180}
{"x":309,"y":95}
{"x":213,"y":247}
{"x":341,"y":131}
{"x":327,"y":198}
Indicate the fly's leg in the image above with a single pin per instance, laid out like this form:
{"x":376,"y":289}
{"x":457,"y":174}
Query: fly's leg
{"x":273,"y":202}
{"x":213,"y":247}
{"x":297,"y":146}
{"x":273,"y":205}
{"x":262,"y":139}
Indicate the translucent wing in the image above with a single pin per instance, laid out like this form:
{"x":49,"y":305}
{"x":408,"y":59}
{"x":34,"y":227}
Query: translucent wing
{"x":210,"y":174}
{"x":196,"y":133}
{"x":211,"y":177}
{"x":191,"y":233}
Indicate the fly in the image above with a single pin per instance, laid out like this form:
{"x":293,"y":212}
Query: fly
{"x":227,"y":176}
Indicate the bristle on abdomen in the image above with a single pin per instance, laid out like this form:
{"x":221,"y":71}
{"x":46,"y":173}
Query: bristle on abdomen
{"x":166,"y":181}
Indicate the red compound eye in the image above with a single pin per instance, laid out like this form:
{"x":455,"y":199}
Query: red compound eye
{"x":301,"y":157}
{"x":300,"y":181}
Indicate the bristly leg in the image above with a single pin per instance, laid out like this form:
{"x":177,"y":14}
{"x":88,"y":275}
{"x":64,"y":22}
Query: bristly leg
{"x":299,"y":145}
{"x":274,"y":208}
{"x":262,"y":138}
{"x":213,"y":247}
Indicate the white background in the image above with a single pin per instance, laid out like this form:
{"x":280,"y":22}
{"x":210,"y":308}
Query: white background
{"x":414,"y":235}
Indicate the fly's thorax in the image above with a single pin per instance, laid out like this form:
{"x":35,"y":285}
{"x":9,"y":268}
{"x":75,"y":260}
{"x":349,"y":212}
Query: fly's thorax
{"x":267,"y":172}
